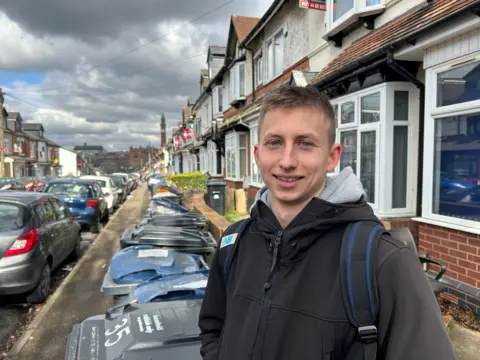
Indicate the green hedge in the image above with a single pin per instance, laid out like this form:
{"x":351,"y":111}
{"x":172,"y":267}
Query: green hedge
{"x":195,"y":181}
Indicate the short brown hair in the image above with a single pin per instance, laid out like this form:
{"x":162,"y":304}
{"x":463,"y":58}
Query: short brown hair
{"x":299,"y":96}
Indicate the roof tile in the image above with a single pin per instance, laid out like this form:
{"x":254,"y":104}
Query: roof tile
{"x":243,"y":25}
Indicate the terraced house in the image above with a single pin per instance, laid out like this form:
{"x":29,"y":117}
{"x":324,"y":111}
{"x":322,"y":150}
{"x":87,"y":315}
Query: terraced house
{"x":404,"y":79}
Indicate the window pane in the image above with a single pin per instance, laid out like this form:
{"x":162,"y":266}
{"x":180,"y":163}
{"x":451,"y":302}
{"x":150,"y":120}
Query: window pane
{"x":242,"y":80}
{"x":335,"y":110}
{"x":348,"y":112}
{"x":367,"y":161}
{"x":400,"y":111}
{"x":341,"y":7}
{"x":456,"y":167}
{"x":400,"y":162}
{"x":243,"y":140}
{"x":373,"y":2}
{"x":459,"y":85}
{"x":278,"y":56}
{"x":270,"y":60}
{"x":370,"y":107}
{"x":348,"y":139}
{"x":243,"y":162}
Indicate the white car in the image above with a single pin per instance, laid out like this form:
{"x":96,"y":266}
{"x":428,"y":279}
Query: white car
{"x":110,"y":192}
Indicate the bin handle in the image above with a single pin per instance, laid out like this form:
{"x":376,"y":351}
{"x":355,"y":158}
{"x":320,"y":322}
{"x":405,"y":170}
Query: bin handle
{"x":110,"y":310}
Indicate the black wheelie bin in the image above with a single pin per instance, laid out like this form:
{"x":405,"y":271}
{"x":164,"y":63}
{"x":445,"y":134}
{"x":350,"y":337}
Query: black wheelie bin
{"x":162,"y":330}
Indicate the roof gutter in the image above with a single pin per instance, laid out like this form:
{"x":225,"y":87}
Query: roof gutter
{"x":271,"y":11}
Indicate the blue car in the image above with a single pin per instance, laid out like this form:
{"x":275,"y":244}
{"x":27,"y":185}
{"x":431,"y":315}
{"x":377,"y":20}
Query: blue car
{"x":84,"y":197}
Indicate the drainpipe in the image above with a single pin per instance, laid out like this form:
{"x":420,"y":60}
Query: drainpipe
{"x":421,"y":116}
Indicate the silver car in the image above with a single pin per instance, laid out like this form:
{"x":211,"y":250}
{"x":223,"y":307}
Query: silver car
{"x":37,"y":233}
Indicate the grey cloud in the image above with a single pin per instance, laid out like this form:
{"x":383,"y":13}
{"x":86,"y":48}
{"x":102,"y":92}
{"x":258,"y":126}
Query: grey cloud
{"x":118,"y":104}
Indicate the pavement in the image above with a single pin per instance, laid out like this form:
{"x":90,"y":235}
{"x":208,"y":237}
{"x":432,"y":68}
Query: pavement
{"x":465,"y":342}
{"x":79,"y":296}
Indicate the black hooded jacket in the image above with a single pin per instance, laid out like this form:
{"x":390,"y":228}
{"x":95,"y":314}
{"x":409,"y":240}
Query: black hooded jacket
{"x":292,"y":308}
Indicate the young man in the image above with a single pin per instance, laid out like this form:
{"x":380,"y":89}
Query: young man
{"x":283,"y":295}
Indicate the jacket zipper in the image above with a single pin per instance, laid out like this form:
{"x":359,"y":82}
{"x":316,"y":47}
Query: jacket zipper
{"x":261,"y":328}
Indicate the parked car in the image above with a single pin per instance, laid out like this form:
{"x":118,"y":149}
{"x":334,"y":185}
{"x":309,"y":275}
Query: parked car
{"x":37,"y":233}
{"x":128,"y":180}
{"x":12,"y":184}
{"x":84,"y":197}
{"x":109,"y":190}
{"x":121,"y":185}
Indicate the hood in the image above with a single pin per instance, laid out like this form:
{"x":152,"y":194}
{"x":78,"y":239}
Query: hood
{"x":341,"y":202}
{"x":343,"y":188}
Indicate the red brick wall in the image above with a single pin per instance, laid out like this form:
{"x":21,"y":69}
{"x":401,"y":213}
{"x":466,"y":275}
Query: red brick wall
{"x":234,"y":184}
{"x":459,"y":250}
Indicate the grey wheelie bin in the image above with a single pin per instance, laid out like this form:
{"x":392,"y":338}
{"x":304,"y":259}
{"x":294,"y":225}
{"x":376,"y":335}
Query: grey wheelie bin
{"x":163,"y":330}
{"x":168,"y":237}
{"x":185,"y":220}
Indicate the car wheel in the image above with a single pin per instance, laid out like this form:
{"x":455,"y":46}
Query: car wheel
{"x":77,"y":251}
{"x":40,"y":294}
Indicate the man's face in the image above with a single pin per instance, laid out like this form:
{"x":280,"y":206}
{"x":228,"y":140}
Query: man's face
{"x":293,"y":154}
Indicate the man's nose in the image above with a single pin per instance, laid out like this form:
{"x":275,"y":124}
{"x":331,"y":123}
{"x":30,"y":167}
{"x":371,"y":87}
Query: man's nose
{"x":288,"y":159}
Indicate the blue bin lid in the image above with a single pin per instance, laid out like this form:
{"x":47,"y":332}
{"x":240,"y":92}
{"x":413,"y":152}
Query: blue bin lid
{"x":165,"y":203}
{"x":175,"y":287}
{"x":140,"y":263}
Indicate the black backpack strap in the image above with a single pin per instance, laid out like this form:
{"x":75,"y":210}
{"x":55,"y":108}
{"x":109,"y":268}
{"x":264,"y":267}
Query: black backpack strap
{"x":359,"y":283}
{"x":229,"y":243}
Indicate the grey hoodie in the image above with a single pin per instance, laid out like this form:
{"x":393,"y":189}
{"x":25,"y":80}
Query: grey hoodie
{"x":339,"y":189}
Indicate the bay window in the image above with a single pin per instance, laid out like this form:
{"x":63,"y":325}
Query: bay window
{"x":452,"y":143}
{"x":341,"y":13}
{"x":236,"y":156}
{"x":255,"y":177}
{"x":374,"y":127}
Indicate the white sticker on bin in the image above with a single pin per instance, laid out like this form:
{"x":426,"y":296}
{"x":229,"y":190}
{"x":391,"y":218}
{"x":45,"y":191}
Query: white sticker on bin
{"x":193,"y":285}
{"x":152,"y":253}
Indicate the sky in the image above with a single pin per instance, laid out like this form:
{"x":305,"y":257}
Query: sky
{"x":102,"y":72}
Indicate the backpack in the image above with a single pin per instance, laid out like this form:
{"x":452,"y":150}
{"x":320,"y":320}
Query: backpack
{"x":357,"y":275}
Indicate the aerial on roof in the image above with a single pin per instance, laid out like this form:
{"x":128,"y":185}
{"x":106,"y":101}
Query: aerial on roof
{"x":243,"y":25}
{"x":397,"y":30}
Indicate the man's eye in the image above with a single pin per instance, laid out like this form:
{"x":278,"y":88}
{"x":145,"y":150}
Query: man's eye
{"x":306,"y":144}
{"x":273,"y":143}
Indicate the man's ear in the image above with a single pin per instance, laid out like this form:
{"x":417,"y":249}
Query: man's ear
{"x":334,"y":157}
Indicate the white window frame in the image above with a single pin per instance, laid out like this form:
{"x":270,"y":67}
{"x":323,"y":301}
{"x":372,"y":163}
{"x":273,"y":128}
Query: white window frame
{"x":360,"y":8}
{"x":253,"y":164}
{"x":384,"y":144}
{"x":270,"y":64}
{"x":235,"y":81}
{"x":32,"y":150}
{"x":235,"y":136}
{"x":203,"y":155}
{"x":432,"y":114}
{"x":258,"y":60}
{"x":212,"y":155}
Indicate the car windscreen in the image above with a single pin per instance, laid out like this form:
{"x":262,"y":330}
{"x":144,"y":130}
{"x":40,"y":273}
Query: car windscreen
{"x":101,"y":183}
{"x":69,"y":189}
{"x":13,"y":216}
{"x":117,"y":180}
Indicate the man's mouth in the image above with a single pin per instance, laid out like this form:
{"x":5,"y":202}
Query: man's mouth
{"x":288,"y":178}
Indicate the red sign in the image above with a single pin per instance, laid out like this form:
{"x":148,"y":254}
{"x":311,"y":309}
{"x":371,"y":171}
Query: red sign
{"x":313,"y":4}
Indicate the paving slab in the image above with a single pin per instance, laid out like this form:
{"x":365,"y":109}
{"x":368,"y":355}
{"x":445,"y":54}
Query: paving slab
{"x":79,"y":296}
{"x":465,"y":342}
